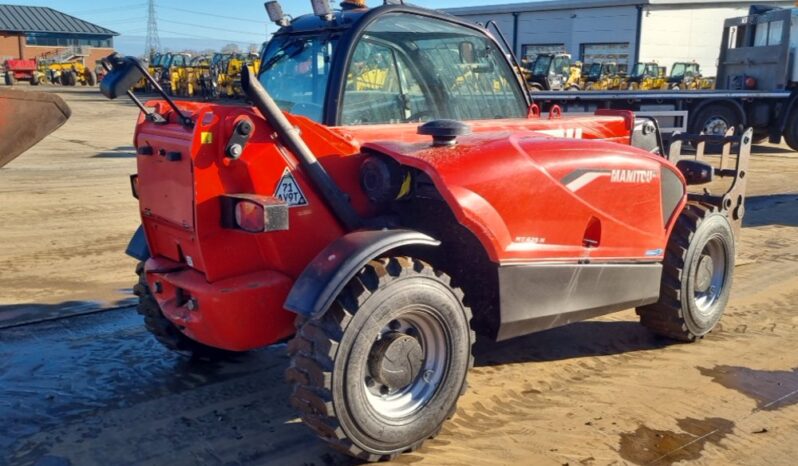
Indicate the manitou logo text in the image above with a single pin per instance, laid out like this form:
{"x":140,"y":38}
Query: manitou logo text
{"x":632,"y":176}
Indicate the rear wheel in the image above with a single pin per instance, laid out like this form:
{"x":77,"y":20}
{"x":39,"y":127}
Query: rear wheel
{"x":715,"y":120}
{"x":383,"y":368}
{"x":10,"y":81}
{"x":91,"y":78}
{"x":165,"y":331}
{"x":791,"y":131}
{"x":697,"y":276}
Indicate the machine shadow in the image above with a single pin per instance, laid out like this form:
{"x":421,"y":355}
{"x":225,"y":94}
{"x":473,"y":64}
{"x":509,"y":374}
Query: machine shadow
{"x":774,"y":209}
{"x":578,"y":340}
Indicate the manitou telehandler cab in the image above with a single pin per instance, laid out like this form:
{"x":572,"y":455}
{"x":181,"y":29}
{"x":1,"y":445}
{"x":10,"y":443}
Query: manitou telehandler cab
{"x":381,"y":226}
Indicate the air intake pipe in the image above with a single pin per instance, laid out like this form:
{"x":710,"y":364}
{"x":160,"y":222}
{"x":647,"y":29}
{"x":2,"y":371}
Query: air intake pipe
{"x":289,"y":136}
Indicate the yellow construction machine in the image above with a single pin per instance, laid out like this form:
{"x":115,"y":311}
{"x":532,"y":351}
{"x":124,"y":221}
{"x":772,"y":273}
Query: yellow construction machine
{"x":604,"y":77}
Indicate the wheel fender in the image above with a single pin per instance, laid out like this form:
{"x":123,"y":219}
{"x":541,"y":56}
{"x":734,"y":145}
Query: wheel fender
{"x":329,"y":272}
{"x":733,"y":104}
{"x":137,"y":248}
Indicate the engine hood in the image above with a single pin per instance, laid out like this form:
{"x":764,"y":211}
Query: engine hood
{"x":529,"y":196}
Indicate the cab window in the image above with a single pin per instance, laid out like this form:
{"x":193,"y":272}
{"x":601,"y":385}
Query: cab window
{"x":409,"y":68}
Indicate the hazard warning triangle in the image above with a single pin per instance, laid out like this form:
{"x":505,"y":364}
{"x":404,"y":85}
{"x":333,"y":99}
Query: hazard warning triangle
{"x":288,"y":191}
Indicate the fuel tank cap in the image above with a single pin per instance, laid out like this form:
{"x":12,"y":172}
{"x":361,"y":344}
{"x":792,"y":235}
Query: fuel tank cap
{"x":444,"y":132}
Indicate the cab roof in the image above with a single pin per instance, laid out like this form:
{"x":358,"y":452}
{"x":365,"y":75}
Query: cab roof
{"x":347,"y":18}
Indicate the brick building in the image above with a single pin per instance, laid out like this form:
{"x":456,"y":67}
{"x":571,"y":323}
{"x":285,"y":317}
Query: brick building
{"x":33,"y":32}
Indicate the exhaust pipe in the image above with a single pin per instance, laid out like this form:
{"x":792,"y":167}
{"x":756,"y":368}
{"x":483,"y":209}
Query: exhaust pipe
{"x":289,"y":136}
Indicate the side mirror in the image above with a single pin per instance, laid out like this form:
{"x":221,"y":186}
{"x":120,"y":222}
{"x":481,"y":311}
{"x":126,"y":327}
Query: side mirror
{"x":696,"y":172}
{"x":123,"y":73}
{"x":467,"y":52}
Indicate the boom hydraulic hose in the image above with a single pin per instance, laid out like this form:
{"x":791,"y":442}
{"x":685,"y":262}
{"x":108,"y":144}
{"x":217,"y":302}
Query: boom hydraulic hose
{"x":289,"y":136}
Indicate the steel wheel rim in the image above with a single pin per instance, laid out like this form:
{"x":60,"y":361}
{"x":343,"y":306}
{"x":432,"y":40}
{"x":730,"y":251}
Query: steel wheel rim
{"x":714,"y":252}
{"x":716,"y":126}
{"x":419,"y":322}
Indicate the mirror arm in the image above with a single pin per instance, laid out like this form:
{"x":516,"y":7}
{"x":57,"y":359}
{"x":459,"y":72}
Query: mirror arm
{"x":152,"y":116}
{"x":186,"y":121}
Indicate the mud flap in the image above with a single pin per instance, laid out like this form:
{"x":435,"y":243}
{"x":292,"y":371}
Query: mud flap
{"x":137,"y":248}
{"x":329,"y":272}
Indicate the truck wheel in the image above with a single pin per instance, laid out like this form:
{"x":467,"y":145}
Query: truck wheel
{"x":791,"y":132}
{"x":10,"y":81}
{"x":91,"y":78}
{"x":696,"y":278}
{"x":715,"y":120}
{"x":35,"y":80}
{"x":383,"y":368}
{"x":165,"y":331}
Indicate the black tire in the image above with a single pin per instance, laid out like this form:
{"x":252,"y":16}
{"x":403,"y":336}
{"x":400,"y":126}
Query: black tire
{"x":35,"y":80}
{"x":697,"y":276}
{"x":791,"y":131}
{"x":165,"y":331}
{"x":10,"y":81}
{"x":715,"y":119}
{"x":91,"y":78}
{"x":333,"y":360}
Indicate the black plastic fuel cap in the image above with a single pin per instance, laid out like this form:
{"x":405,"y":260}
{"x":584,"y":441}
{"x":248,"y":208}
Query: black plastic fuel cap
{"x":444,"y":132}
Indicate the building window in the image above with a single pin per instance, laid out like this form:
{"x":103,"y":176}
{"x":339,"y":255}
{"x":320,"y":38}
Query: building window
{"x":67,"y":40}
{"x":619,"y":52}
{"x":531,"y":51}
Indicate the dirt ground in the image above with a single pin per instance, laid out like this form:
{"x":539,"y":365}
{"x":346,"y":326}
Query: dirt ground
{"x":97,"y":389}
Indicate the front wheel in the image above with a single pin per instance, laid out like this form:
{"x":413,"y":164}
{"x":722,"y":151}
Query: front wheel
{"x":383,"y":368}
{"x":696,"y":277}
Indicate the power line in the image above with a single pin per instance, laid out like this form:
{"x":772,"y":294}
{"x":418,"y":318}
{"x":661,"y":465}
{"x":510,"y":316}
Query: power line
{"x":213,"y":15}
{"x":193,"y":36}
{"x":129,"y":20}
{"x":259,"y":34}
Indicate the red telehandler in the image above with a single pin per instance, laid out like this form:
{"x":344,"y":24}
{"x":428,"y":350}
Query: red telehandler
{"x":393,"y":191}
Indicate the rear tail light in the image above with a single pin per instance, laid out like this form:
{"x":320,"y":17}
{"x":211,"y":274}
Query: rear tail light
{"x":253,"y":213}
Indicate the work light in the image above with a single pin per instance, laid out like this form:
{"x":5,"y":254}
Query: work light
{"x":322,"y":9}
{"x":276,"y":15}
{"x":254,"y":213}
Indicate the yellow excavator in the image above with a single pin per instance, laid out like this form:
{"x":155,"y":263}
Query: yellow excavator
{"x":26,"y":118}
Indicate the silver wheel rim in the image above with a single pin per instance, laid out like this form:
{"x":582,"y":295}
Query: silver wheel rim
{"x":716,"y":126}
{"x":403,"y":402}
{"x":710,"y":276}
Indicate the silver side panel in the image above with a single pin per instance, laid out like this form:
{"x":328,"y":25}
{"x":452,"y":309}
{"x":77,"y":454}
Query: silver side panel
{"x":539,"y":297}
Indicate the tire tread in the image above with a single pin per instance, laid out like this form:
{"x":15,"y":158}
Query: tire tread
{"x":313,"y":350}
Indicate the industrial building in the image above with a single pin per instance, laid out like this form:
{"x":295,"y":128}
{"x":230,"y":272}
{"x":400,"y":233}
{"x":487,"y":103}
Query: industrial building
{"x":32,"y":32}
{"x":624,"y":31}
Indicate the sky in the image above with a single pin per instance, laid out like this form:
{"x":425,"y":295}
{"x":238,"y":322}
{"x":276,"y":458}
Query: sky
{"x":198,"y":24}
